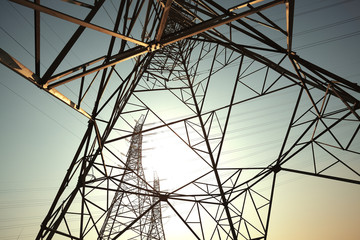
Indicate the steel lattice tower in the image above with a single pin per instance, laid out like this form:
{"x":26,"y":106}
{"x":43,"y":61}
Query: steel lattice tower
{"x":133,"y":197}
{"x":211,"y":75}
{"x":156,"y":230}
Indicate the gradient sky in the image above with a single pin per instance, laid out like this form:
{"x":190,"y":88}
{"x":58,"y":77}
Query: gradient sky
{"x":39,"y":135}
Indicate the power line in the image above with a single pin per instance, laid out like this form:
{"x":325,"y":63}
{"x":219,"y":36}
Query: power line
{"x":50,"y":44}
{"x":44,"y":113}
{"x":323,"y":7}
{"x":7,"y":33}
{"x":335,"y":24}
{"x":329,"y":40}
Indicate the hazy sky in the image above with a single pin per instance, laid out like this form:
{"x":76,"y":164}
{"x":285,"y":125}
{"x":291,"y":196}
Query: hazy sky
{"x":39,"y":135}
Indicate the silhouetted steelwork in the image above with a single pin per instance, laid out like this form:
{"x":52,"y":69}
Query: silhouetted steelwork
{"x":156,"y":229}
{"x":133,"y":197}
{"x":215,"y":66}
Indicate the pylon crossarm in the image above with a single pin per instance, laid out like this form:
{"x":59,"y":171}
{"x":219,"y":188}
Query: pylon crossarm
{"x":26,"y":73}
{"x":80,"y":22}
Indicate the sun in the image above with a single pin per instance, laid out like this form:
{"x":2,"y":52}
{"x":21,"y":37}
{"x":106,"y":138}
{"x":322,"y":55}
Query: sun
{"x":175,"y":163}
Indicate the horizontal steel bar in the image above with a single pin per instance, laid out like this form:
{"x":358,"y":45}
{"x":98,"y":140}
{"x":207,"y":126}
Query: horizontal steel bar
{"x":26,"y":73}
{"x":74,"y":69}
{"x":321,"y":175}
{"x":79,"y":3}
{"x":17,"y":67}
{"x":80,"y":22}
{"x":132,"y":53}
{"x":242,"y":5}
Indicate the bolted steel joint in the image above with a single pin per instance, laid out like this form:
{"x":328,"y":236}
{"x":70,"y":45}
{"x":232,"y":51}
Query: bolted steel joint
{"x":154,"y":47}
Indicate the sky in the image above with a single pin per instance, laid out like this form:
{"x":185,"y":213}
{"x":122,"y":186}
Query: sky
{"x":39,"y":135}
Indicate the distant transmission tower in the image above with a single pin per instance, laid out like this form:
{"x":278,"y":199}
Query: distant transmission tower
{"x":223,"y":80}
{"x":133,"y":197}
{"x":156,"y":230}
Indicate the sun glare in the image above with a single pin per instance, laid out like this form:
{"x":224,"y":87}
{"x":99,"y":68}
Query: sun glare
{"x":165,"y":154}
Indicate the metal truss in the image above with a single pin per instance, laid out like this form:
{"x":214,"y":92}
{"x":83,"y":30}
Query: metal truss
{"x":133,"y":197}
{"x":206,"y":74}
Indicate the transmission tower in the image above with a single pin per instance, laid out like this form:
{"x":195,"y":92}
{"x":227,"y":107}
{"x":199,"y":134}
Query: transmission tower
{"x":221,"y":79}
{"x":133,"y":197}
{"x":156,"y":230}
